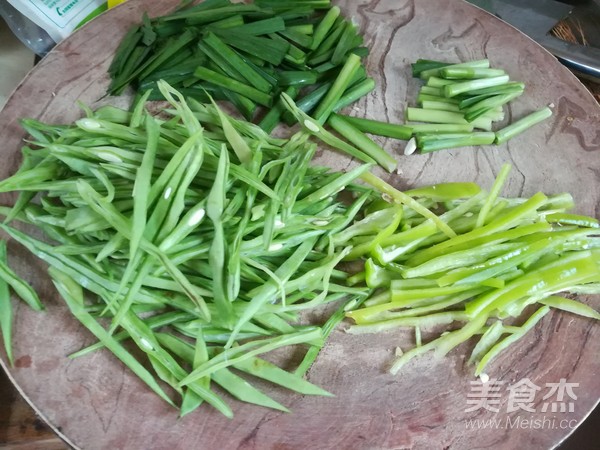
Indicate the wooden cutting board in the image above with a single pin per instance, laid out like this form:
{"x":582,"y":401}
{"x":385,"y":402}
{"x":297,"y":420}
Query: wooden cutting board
{"x":95,"y":403}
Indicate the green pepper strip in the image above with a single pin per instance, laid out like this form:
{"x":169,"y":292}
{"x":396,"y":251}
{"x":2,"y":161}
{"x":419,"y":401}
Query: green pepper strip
{"x":404,"y":199}
{"x":500,"y":224}
{"x":577,"y":268}
{"x":507,"y":341}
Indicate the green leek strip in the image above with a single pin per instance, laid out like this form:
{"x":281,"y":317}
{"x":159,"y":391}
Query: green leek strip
{"x":302,"y":40}
{"x":437,"y":92}
{"x":429,"y":128}
{"x":485,"y":106}
{"x":274,"y":115}
{"x":236,"y":22}
{"x":436,"y":66}
{"x":195,"y":16}
{"x":245,"y":70}
{"x":444,"y":117}
{"x":431,"y":143}
{"x":440,"y":106}
{"x":469,"y":73}
{"x":354,"y":93}
{"x":316,"y":129}
{"x":264,"y":48}
{"x":423,"y":97}
{"x":233,"y":85}
{"x":452,"y":90}
{"x":265,"y":26}
{"x":326,"y":48}
{"x":348,"y":40}
{"x":324,"y":27}
{"x":508,"y":88}
{"x":437,"y":82}
{"x":338,"y":88}
{"x":362,"y":142}
{"x":522,"y":124}
{"x":421,"y":65}
{"x":378,"y":128}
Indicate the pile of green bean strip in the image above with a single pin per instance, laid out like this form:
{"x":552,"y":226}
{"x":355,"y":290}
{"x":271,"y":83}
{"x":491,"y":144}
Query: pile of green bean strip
{"x":202,"y":238}
{"x":507,"y":254}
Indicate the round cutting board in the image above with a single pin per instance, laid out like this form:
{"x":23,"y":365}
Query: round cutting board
{"x":95,"y":403}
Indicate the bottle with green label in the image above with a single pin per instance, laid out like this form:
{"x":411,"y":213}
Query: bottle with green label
{"x":41,"y":24}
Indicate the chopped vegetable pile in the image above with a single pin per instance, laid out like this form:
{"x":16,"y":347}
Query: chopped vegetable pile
{"x":504,"y":255}
{"x":306,"y":52}
{"x":247,"y":54}
{"x":196,"y":225}
{"x":464,"y":97}
{"x":201,"y":240}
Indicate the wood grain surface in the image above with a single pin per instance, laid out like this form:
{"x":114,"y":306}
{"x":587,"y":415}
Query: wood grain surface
{"x":20,"y":428}
{"x":96,"y":404}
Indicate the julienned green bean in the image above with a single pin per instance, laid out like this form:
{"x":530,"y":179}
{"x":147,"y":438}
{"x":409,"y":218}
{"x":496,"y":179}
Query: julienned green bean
{"x":169,"y":217}
{"x":72,"y":293}
{"x":21,"y":287}
{"x":141,"y":188}
{"x":6,"y":313}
